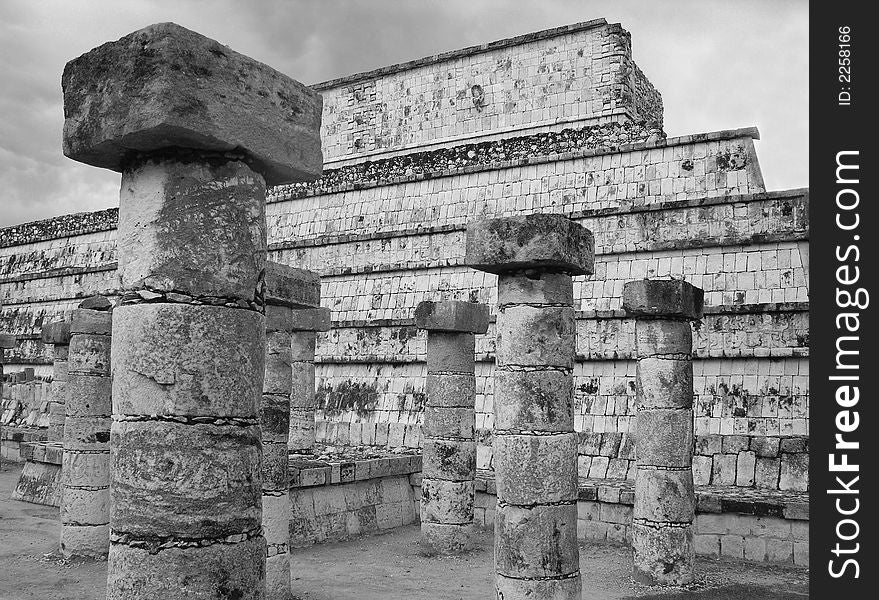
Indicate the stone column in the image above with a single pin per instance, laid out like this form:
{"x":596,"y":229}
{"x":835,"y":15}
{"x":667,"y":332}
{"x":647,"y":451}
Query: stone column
{"x":57,"y":334}
{"x":86,"y":463}
{"x":449,"y":455}
{"x":288,"y":293}
{"x":662,"y":527}
{"x":535,"y":447}
{"x":304,"y":327}
{"x":198,"y":132}
{"x":7,"y":342}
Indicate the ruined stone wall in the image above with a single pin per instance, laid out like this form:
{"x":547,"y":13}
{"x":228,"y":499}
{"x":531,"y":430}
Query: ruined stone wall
{"x":386,"y":232}
{"x":537,"y":82}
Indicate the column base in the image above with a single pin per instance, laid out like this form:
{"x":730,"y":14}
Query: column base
{"x":215,"y":571}
{"x":446,"y":539}
{"x":91,"y":541}
{"x":569,"y":588}
{"x":663,"y":554}
{"x":278,"y":577}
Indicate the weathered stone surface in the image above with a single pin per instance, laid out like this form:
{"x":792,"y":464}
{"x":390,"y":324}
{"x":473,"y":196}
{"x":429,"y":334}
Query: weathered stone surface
{"x":662,"y":336}
{"x":274,"y":466}
{"x":452,"y":315}
{"x":449,"y":460}
{"x":278,"y":374}
{"x":536,"y":542}
{"x":60,"y":353}
{"x":664,"y":495}
{"x":85,"y":540}
{"x":96,"y":303}
{"x":195,"y":228}
{"x":663,"y":298}
{"x":178,"y":359}
{"x":533,"y":401}
{"x":199,"y":481}
{"x":8,"y":341}
{"x":88,"y":396}
{"x":446,"y":501}
{"x":291,"y":287}
{"x":664,"y":383}
{"x":664,"y":438}
{"x":446,"y":538}
{"x":274,"y":418}
{"x":86,"y":434}
{"x":663,"y":555}
{"x":535,"y":288}
{"x":85,"y":506}
{"x":510,"y":588}
{"x":86,"y":469}
{"x":535,"y":469}
{"x":302,"y":344}
{"x":88,"y":321}
{"x":166,"y":86}
{"x":215,"y":571}
{"x":449,"y":422}
{"x":302,"y":395}
{"x":545,"y":242}
{"x":53,"y":333}
{"x":89,"y":354}
{"x":298,"y":319}
{"x":276,"y":518}
{"x":456,"y":390}
{"x":535,"y":336}
{"x":278,"y":577}
{"x":451,"y":353}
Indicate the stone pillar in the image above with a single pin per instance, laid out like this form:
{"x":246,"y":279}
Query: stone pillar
{"x":288,"y":293}
{"x":198,"y":132}
{"x":57,"y":334}
{"x":662,"y":525}
{"x":535,"y":447}
{"x":303,"y":338}
{"x":7,"y":342}
{"x":449,"y":455}
{"x":86,"y":463}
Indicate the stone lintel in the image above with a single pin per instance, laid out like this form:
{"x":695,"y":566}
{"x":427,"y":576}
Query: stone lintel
{"x":671,"y":298}
{"x":56,"y":333}
{"x":280,"y":318}
{"x":165,"y":86}
{"x":289,"y":286}
{"x":452,"y":315}
{"x":542,"y":242}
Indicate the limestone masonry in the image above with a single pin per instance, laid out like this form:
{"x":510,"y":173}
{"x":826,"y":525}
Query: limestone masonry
{"x":560,"y":121}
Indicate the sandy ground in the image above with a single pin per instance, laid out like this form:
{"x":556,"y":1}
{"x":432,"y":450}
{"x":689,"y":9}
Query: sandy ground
{"x":385,"y":567}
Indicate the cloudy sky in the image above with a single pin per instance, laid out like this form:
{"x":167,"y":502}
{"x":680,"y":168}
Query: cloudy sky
{"x":718,"y":65}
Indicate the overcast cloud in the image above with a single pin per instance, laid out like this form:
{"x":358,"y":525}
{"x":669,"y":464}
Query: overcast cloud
{"x":718,"y":65}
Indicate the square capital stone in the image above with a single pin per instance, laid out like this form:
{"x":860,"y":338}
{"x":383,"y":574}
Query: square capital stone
{"x":452,"y":315}
{"x":56,"y":333}
{"x":673,"y":298}
{"x":7,"y":341}
{"x":544,"y":242}
{"x":289,"y":286}
{"x":165,"y":86}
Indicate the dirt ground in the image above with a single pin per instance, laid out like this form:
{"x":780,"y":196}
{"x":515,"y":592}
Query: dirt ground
{"x":385,"y":567}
